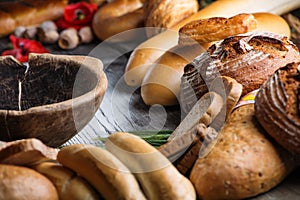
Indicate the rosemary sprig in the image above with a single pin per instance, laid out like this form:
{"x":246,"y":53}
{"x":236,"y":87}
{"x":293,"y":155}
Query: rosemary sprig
{"x":153,"y":137}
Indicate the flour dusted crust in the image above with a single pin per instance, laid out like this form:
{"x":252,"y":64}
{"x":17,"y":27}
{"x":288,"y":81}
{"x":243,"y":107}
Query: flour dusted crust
{"x":277,"y":106}
{"x":249,"y":59}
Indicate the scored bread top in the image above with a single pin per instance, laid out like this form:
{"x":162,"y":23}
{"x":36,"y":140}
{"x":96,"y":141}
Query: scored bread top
{"x":249,"y":58}
{"x":277,"y":106}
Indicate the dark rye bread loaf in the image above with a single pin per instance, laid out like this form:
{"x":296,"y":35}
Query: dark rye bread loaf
{"x":277,"y":106}
{"x":248,"y":58}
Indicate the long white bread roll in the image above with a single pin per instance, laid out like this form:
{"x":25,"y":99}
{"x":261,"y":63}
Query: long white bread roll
{"x":149,"y":51}
{"x":156,"y":174}
{"x":107,"y":174}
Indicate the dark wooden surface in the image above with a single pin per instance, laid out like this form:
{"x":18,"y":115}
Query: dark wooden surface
{"x":122,"y":109}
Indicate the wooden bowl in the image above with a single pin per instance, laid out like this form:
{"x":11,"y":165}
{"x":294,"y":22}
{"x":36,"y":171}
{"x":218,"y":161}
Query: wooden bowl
{"x":52,"y":99}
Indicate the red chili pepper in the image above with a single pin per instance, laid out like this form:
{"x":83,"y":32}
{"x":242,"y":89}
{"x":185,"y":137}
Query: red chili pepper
{"x":77,"y":15}
{"x":22,"y":47}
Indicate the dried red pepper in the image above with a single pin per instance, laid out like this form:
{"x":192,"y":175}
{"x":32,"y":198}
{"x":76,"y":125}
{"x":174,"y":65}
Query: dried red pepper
{"x":22,"y":47}
{"x":77,"y":15}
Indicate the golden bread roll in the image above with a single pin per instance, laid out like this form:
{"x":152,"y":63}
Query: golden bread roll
{"x":244,"y":162}
{"x":117,"y":16}
{"x":277,"y":106}
{"x":66,"y":182}
{"x":18,"y":182}
{"x":26,"y":152}
{"x":216,"y":28}
{"x":149,"y":51}
{"x":164,"y":14}
{"x":249,"y":59}
{"x":162,"y":82}
{"x":107,"y":174}
{"x":156,"y":174}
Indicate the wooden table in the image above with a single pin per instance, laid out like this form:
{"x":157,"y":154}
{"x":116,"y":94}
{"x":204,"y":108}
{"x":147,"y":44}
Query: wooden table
{"x":122,"y":109}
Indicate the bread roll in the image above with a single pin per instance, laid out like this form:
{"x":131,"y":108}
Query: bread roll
{"x":249,"y":59}
{"x":149,"y":51}
{"x":245,"y":161}
{"x":28,"y":13}
{"x":117,"y":16}
{"x":277,"y":106}
{"x":162,"y":14}
{"x":23,"y":183}
{"x":156,"y":174}
{"x":26,"y":152}
{"x":107,"y":174}
{"x":66,"y":181}
{"x":8,"y":24}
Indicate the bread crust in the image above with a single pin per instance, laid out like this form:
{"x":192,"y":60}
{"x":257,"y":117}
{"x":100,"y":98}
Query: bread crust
{"x":18,"y":182}
{"x":107,"y":174}
{"x":164,"y":14}
{"x":249,"y":59}
{"x":234,"y":169}
{"x":28,"y":13}
{"x":68,"y":184}
{"x":118,"y":16}
{"x":277,"y":106}
{"x":216,"y":28}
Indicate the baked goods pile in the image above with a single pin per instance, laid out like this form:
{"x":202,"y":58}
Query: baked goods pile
{"x":249,"y":59}
{"x":31,"y":170}
{"x":217,"y":149}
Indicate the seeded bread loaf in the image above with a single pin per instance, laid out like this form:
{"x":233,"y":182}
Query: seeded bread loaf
{"x":245,"y":161}
{"x":277,"y":106}
{"x":249,"y":59}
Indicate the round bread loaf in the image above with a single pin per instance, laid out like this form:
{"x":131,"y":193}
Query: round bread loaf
{"x":249,"y":58}
{"x":18,"y":182}
{"x":277,"y":106}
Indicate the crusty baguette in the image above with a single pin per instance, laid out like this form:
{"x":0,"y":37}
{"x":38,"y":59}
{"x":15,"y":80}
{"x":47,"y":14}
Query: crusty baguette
{"x":67,"y":183}
{"x":161,"y":82}
{"x":245,"y":161}
{"x":18,"y":182}
{"x":156,"y":174}
{"x":107,"y":174}
{"x":150,"y":50}
{"x":28,"y":13}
